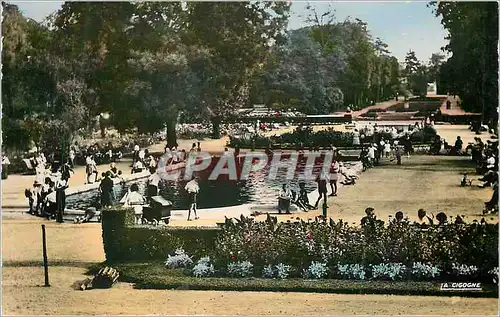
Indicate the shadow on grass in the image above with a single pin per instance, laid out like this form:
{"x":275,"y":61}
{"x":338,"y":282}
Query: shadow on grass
{"x":56,"y":263}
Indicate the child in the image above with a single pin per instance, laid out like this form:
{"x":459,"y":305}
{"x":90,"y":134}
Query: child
{"x":303,"y":199}
{"x":465,"y":181}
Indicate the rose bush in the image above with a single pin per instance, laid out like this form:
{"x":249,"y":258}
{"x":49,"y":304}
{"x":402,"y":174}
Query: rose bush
{"x":300,"y":243}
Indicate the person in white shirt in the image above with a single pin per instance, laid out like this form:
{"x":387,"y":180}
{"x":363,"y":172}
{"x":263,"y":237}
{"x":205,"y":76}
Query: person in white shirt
{"x":142,"y":155}
{"x":192,"y":189}
{"x":371,"y":153}
{"x":153,"y":182}
{"x":387,"y":149}
{"x":490,"y":162}
{"x":72,"y":156}
{"x":136,"y":153}
{"x":355,"y":137}
{"x":135,"y":200}
{"x":334,"y":176}
{"x":284,"y":199}
{"x":5,"y":166}
{"x":152,"y":162}
{"x":175,"y":157}
{"x":138,"y":167}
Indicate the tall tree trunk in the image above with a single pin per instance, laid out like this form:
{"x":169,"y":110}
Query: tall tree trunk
{"x":171,"y":133}
{"x":216,"y":127}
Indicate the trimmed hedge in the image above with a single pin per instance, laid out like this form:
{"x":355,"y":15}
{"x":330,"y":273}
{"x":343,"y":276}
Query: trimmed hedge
{"x":124,"y":241}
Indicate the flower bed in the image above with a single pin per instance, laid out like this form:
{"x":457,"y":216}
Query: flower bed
{"x":311,"y":250}
{"x":320,"y":139}
{"x":154,"y":275}
{"x":323,"y":138}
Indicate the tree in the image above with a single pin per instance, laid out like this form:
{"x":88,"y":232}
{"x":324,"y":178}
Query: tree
{"x":416,"y":74}
{"x":472,"y":70}
{"x":27,"y":86}
{"x":435,"y":63}
{"x":239,"y":37}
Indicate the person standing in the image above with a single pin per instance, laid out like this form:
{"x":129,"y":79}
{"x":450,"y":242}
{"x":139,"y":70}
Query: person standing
{"x":72,"y":156}
{"x":192,"y":151}
{"x":61,"y":186}
{"x":136,"y":153}
{"x":355,"y":138}
{"x":106,"y":189}
{"x":142,"y":156}
{"x":371,"y":155}
{"x":398,"y":154}
{"x":5,"y":166}
{"x":192,"y":189}
{"x":387,"y":149}
{"x":322,"y":189}
{"x":458,"y":145}
{"x":153,"y":182}
{"x":334,"y":176}
{"x":284,"y":199}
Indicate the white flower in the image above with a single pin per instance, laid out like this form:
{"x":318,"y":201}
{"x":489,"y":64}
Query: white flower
{"x":240,"y":269}
{"x":352,"y":271}
{"x":390,"y":270}
{"x":180,"y":259}
{"x":316,"y":270}
{"x":425,"y":270}
{"x":283,"y":271}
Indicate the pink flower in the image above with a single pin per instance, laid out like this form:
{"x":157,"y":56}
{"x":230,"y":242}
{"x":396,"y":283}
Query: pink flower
{"x":308,"y":235}
{"x":233,"y":257}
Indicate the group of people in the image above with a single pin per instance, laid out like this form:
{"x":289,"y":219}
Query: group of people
{"x":370,"y":155}
{"x":100,"y":154}
{"x":300,"y":198}
{"x":48,"y":199}
{"x":174,"y":155}
{"x":142,"y":160}
{"x":423,"y":219}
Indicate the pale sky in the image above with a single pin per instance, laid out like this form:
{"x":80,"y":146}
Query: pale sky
{"x":403,"y":25}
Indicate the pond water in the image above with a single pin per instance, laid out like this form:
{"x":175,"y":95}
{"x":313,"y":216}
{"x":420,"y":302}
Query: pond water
{"x":222,"y":192}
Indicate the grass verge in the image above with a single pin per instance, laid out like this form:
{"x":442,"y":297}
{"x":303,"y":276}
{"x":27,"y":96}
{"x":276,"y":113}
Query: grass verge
{"x":156,"y":276}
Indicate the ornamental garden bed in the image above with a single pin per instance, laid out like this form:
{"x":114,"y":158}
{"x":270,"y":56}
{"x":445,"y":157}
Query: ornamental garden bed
{"x":421,"y":107}
{"x":320,"y":139}
{"x":320,"y":256}
{"x":155,"y":275}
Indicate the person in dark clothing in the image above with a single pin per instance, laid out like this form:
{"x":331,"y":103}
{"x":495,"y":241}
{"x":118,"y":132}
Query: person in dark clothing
{"x":492,"y":204}
{"x":458,"y":145}
{"x":322,"y":189}
{"x":303,"y":199}
{"x":106,"y":189}
{"x":61,"y":186}
{"x":369,"y":218}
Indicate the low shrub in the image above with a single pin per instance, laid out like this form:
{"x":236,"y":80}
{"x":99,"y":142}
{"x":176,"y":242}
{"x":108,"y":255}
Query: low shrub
{"x":352,"y":271}
{"x":425,"y":271}
{"x":240,"y":269}
{"x":268,"y":271}
{"x":204,"y":268}
{"x":280,"y":271}
{"x":464,"y":270}
{"x":391,"y":271}
{"x":316,"y":270}
{"x":179,"y":260}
